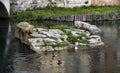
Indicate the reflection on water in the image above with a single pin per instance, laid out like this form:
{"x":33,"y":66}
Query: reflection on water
{"x":3,"y":35}
{"x":20,"y":59}
{"x":8,"y":38}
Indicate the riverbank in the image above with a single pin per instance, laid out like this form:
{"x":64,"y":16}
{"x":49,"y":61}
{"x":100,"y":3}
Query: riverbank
{"x":50,"y":12}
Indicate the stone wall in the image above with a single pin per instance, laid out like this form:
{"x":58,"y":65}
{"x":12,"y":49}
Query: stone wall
{"x":88,"y":17}
{"x":21,"y":5}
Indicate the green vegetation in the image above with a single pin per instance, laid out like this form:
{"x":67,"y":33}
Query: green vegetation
{"x":47,"y":12}
{"x":73,"y":39}
{"x":38,"y":41}
{"x":61,"y":26}
{"x":85,"y":41}
{"x":82,"y":38}
{"x":51,"y":25}
{"x":47,"y":43}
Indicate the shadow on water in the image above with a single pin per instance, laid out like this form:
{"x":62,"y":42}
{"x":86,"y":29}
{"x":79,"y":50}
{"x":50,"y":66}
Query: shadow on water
{"x":5,"y":46}
{"x":8,"y":46}
{"x":3,"y":36}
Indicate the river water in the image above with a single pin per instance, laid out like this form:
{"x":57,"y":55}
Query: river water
{"x":16,"y":57}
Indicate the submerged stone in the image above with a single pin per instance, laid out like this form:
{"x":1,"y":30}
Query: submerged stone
{"x":92,"y":28}
{"x":95,"y":41}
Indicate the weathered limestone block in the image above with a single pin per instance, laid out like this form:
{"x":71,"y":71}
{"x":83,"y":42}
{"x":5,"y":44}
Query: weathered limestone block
{"x":92,"y":28}
{"x":25,"y":26}
{"x":54,"y":33}
{"x":95,"y":41}
{"x":23,"y":31}
{"x":37,"y":33}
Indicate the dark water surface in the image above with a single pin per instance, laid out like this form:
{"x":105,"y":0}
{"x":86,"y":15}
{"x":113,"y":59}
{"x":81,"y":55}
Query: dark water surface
{"x":15,"y":57}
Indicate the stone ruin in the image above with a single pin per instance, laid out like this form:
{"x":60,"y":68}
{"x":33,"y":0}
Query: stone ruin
{"x":40,"y":39}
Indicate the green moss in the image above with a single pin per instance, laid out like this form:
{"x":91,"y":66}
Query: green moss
{"x":61,"y":44}
{"x":47,"y":43}
{"x":73,"y":39}
{"x":38,"y":41}
{"x":60,"y":26}
{"x":84,"y":41}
